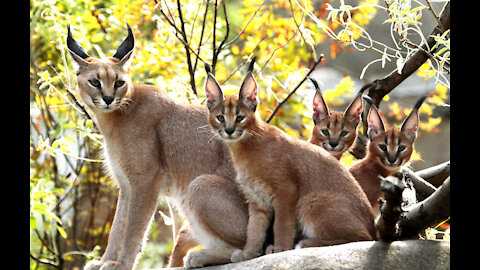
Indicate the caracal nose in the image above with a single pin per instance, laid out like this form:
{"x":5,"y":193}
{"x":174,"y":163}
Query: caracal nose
{"x":108,"y":99}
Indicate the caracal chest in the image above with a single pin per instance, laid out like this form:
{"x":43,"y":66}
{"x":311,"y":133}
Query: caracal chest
{"x":253,"y":189}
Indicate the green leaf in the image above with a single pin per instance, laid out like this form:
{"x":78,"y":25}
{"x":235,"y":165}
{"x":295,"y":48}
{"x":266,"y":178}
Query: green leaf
{"x":62,"y":232}
{"x":33,"y":223}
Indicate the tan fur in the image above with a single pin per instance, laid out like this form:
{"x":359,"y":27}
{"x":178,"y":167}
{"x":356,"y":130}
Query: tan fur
{"x":157,"y":147}
{"x":301,"y":185}
{"x":388,"y":151}
{"x":335,"y":131}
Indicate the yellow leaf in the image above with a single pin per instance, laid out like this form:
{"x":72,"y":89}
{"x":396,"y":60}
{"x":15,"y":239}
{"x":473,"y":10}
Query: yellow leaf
{"x":235,"y":49}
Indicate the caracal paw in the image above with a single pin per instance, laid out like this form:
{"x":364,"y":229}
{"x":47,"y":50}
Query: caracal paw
{"x":93,"y":265}
{"x":113,"y":265}
{"x":195,"y":259}
{"x":242,"y":255}
{"x":275,"y":249}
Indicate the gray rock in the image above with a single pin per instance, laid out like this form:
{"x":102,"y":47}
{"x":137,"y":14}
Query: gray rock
{"x":408,"y":254}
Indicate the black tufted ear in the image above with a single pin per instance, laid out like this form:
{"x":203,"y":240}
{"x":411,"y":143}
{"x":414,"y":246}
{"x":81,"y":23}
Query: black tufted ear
{"x":76,"y":51}
{"x":74,"y":47}
{"x":125,"y":49}
{"x":410,"y":125}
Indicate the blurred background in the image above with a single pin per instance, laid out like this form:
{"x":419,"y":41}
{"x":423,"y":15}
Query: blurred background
{"x":73,"y":200}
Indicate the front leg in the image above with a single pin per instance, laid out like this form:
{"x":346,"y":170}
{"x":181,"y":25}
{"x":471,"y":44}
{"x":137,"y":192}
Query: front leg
{"x":141,"y":207}
{"x":117,"y":232}
{"x":284,"y":224}
{"x":256,"y":233}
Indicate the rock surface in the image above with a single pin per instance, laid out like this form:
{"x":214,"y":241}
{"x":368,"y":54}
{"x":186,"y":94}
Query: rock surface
{"x":408,"y":254}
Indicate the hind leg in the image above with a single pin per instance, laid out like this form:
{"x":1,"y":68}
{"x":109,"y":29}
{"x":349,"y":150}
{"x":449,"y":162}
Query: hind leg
{"x":327,"y":219}
{"x":217,"y":217}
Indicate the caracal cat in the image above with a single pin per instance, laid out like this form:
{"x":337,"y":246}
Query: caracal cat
{"x":388,"y":150}
{"x":299,"y":185}
{"x":334,"y":131}
{"x":157,"y":147}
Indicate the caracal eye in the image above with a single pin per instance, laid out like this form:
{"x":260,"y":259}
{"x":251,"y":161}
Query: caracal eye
{"x":119,"y":83}
{"x":383,"y":147}
{"x":343,"y":133}
{"x":220,"y":118}
{"x":94,"y":83}
{"x":325,"y":132}
{"x":401,"y":148}
{"x":239,"y":118}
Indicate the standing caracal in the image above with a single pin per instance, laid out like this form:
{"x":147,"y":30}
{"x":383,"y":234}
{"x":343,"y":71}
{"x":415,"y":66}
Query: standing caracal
{"x":299,"y":185}
{"x":155,"y":146}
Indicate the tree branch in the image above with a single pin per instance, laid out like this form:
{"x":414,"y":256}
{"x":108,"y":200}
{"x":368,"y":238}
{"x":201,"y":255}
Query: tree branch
{"x":390,"y":208}
{"x":191,"y":71}
{"x":296,"y":88}
{"x":427,"y":213}
{"x":384,"y":86}
{"x":201,"y":34}
{"x":422,"y":187}
{"x":221,"y":46}
{"x":381,"y":87}
{"x":437,"y":174}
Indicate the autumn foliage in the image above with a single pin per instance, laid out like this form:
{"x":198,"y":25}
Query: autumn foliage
{"x":73,"y":200}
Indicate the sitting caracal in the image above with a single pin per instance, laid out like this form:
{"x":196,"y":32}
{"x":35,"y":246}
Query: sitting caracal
{"x":304,"y":188}
{"x":335,"y":131}
{"x":155,"y":146}
{"x":388,"y":150}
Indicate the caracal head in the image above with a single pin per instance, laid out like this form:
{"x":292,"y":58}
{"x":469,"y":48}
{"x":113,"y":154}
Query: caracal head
{"x":335,"y":131}
{"x":393,"y":147}
{"x":232,"y":117}
{"x":103,"y":83}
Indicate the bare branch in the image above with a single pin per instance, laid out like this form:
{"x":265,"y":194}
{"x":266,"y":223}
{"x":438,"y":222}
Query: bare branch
{"x":422,"y":187}
{"x":437,"y":174}
{"x":201,"y":34}
{"x":216,"y":51}
{"x":295,"y":89}
{"x":384,"y":86}
{"x":191,"y":71}
{"x":390,"y":209}
{"x":427,"y":213}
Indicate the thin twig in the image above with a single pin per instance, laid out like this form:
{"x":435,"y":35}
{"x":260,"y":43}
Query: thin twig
{"x":191,"y":71}
{"x":221,"y":46}
{"x":245,"y":27}
{"x":201,"y":34}
{"x":214,"y":60}
{"x":178,"y":31}
{"x":43,"y":261}
{"x":296,"y":88}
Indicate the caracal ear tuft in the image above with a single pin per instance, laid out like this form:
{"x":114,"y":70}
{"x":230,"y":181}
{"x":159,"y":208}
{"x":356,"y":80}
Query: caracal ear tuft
{"x":320,"y":109}
{"x":77,"y":52}
{"x":354,"y":110}
{"x":248,"y":90}
{"x":375,"y":123}
{"x":212,"y":91}
{"x":125,"y":50}
{"x":410,"y":125}
{"x":252,"y":63}
{"x":208,"y":69}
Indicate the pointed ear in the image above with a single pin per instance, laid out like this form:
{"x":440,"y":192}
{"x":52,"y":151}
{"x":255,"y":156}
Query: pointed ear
{"x":213,"y":92}
{"x":125,"y":50}
{"x":320,"y":109}
{"x":248,"y":92}
{"x":77,"y":52}
{"x":375,"y":123}
{"x":353,"y":111}
{"x":410,"y":125}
